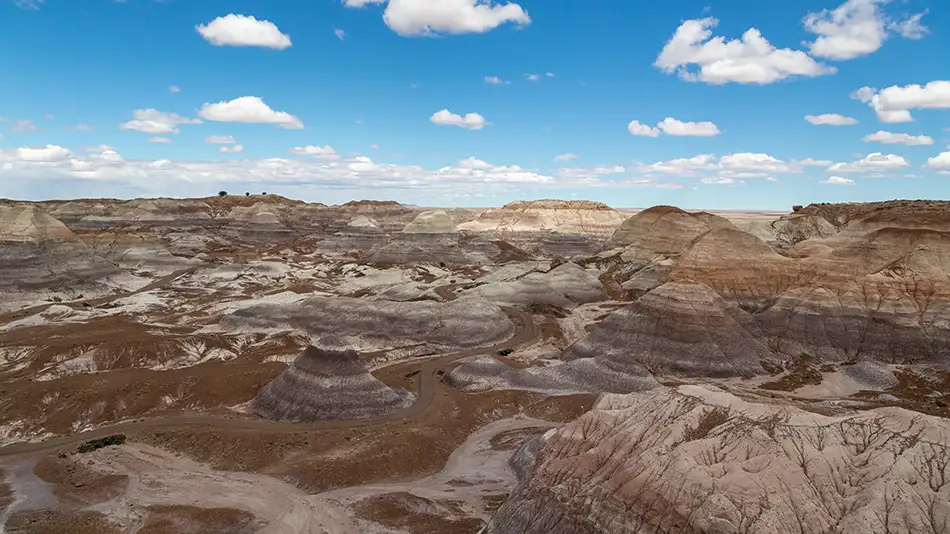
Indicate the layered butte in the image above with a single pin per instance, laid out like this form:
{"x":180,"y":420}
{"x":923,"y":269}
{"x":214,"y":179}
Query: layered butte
{"x":323,"y":385}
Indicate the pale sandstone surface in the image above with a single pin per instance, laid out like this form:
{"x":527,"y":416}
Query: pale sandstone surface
{"x":696,"y":459}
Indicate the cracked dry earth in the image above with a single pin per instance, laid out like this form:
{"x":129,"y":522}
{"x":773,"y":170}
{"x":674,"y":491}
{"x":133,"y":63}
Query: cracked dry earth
{"x":549,"y":366}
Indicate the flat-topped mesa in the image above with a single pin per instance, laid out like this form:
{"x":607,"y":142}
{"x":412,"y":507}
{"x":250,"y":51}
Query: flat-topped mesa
{"x":663,"y":230}
{"x":108,"y":213}
{"x":431,"y":222}
{"x":555,"y":204}
{"x":697,"y":459}
{"x":560,"y":228}
{"x":934,"y":214}
{"x":323,"y":385}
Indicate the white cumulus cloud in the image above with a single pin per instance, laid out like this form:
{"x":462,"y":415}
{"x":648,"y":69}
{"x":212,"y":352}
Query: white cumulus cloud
{"x":674,"y":127}
{"x":314,"y":150}
{"x":671,"y":126}
{"x":566,"y":157}
{"x":838,"y":180}
{"x":940,"y":162}
{"x":495,"y":80}
{"x":830,"y":119}
{"x":158,"y":139}
{"x":248,"y":109}
{"x":433,"y":17}
{"x":890,"y":138}
{"x":874,"y":162}
{"x":749,"y":60}
{"x":242,"y":30}
{"x":231,"y":149}
{"x":856,"y":28}
{"x":45,"y":154}
{"x":174,"y":89}
{"x":471,"y":121}
{"x":152,"y":121}
{"x":220,"y":140}
{"x":643,"y":130}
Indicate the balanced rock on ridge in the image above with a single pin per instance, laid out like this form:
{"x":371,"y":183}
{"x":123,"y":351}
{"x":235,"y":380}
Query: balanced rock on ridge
{"x":699,"y":460}
{"x":322,"y":385}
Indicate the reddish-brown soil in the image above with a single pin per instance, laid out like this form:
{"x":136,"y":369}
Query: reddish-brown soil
{"x":408,"y":512}
{"x":336,"y":458}
{"x":6,"y":494}
{"x":60,"y":522}
{"x":191,"y":520}
{"x":100,"y":399}
{"x":73,"y":482}
{"x":802,"y":371}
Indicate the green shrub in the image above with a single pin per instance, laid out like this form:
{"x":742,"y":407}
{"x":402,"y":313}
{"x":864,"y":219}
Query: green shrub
{"x":96,"y":444}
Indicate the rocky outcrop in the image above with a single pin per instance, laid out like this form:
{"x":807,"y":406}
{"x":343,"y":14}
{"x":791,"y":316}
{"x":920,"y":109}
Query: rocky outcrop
{"x":410,"y":327}
{"x":796,"y":228}
{"x":322,"y":385}
{"x":696,"y":459}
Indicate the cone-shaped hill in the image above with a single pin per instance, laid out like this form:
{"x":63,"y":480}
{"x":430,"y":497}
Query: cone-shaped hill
{"x":323,"y":385}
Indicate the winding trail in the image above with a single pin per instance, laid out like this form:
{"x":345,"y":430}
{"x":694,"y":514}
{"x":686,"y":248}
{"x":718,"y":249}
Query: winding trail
{"x":426,"y":387}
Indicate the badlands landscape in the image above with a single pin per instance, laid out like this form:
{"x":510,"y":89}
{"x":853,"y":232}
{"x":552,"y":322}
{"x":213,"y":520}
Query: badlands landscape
{"x":256,"y":364}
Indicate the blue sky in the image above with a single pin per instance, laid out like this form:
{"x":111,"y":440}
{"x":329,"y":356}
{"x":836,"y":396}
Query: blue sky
{"x":357,"y":86}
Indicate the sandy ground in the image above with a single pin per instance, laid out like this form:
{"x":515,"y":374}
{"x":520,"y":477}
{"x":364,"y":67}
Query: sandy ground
{"x":475,"y":473}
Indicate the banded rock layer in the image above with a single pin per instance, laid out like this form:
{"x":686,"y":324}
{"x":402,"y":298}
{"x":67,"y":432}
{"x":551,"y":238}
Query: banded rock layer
{"x":322,"y":385}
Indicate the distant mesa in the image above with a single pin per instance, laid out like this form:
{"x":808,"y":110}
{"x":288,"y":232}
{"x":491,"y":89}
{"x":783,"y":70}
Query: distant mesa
{"x":554,"y":204}
{"x":326,"y":385}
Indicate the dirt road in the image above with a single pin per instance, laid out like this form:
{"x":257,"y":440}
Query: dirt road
{"x":426,"y":388}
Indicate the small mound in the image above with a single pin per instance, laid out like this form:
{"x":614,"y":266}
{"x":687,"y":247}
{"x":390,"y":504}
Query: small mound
{"x":664,"y":230}
{"x":325,"y":385}
{"x":29,"y":224}
{"x":431,"y":222}
{"x":362,"y":222}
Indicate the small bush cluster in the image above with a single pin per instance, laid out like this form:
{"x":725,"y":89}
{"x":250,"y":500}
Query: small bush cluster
{"x":96,"y":444}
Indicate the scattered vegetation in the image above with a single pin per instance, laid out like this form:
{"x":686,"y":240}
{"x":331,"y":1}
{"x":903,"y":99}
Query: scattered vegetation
{"x":96,"y":444}
{"x":222,"y":193}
